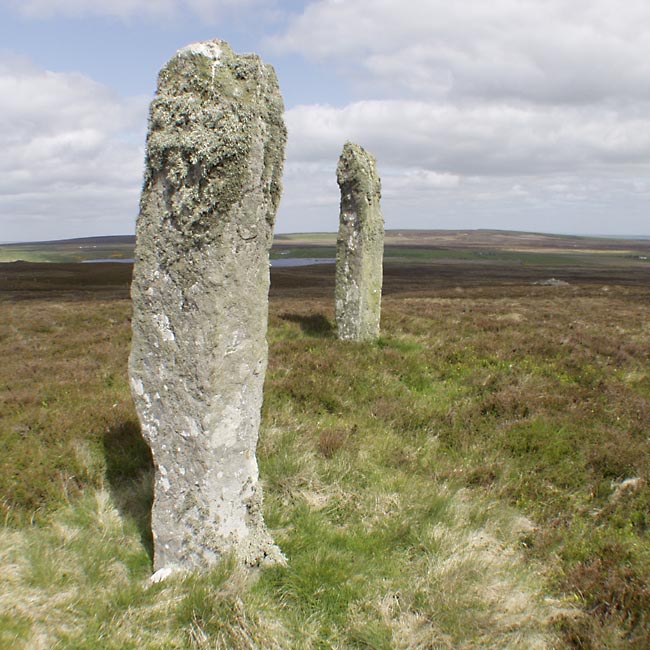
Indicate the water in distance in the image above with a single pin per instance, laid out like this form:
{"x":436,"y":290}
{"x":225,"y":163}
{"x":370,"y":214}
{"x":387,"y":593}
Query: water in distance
{"x":301,"y":261}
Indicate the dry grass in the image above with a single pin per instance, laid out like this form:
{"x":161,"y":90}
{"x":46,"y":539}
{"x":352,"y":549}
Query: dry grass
{"x":83,"y":582}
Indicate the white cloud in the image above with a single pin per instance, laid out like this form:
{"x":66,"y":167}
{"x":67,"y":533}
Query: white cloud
{"x":551,"y":51}
{"x":469,"y":139}
{"x":417,"y":180}
{"x":118,"y":8}
{"x":71,"y":152}
{"x":512,"y":113}
{"x":527,"y":114}
{"x":506,"y":87}
{"x":560,"y":203}
{"x":124,"y":9}
{"x":444,"y":165}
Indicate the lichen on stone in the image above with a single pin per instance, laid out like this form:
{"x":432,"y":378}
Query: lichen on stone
{"x":212,"y":186}
{"x":360,"y":246}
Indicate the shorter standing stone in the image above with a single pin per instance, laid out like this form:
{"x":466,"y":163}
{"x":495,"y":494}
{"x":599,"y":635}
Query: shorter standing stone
{"x":360,"y":246}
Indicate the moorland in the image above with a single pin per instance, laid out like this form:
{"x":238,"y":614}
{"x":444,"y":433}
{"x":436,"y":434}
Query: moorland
{"x":476,"y":478}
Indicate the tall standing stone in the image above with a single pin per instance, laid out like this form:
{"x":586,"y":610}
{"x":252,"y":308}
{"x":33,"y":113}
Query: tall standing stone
{"x":360,"y":246}
{"x":215,"y":153}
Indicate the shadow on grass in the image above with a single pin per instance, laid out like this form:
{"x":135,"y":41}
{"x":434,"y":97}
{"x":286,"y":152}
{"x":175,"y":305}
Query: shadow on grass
{"x":316,"y":325}
{"x":130,"y":475}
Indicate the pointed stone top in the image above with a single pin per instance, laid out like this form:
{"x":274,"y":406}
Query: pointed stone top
{"x":358,"y":167}
{"x":360,"y":245}
{"x":352,"y":151}
{"x":209,"y":49}
{"x":350,"y":147}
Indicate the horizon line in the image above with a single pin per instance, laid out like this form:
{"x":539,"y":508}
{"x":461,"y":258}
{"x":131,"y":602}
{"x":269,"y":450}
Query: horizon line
{"x":334,"y":232}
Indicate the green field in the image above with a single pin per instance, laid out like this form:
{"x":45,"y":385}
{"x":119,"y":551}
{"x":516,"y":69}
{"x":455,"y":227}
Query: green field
{"x":477,"y":478}
{"x":402,"y":246}
{"x":71,"y":250}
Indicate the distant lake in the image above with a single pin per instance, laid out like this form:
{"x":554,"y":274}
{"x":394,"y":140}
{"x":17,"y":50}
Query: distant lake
{"x":283,"y":261}
{"x":302,"y":261}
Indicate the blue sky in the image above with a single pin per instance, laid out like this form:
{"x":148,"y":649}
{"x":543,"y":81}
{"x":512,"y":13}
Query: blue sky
{"x":515,"y":114}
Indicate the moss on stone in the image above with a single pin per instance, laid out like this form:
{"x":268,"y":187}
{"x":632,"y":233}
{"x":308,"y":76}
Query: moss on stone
{"x":215,"y":153}
{"x":359,"y":247}
{"x":200,"y":139}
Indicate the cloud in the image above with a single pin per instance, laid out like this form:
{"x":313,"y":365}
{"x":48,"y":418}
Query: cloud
{"x":417,"y":180}
{"x":71,"y":152}
{"x":474,"y":139}
{"x":513,"y":113}
{"x":523,"y":166}
{"x":555,"y":203}
{"x":125,"y":9}
{"x":553,"y":51}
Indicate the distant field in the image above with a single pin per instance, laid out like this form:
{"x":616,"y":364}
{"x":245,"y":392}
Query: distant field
{"x":478,"y":240}
{"x":401,"y":246}
{"x":70,"y":250}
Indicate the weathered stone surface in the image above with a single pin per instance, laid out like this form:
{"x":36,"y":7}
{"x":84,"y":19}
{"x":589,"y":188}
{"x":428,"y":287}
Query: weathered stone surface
{"x":360,"y":246}
{"x":215,"y":153}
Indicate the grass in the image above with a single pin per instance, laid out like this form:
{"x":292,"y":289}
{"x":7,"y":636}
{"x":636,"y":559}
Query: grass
{"x":477,"y":478}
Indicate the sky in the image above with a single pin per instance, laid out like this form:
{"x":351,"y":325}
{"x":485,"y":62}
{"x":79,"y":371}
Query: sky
{"x":528,"y":115}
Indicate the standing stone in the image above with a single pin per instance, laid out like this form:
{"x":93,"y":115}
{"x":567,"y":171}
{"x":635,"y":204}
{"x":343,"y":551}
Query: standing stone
{"x":212,"y":184}
{"x":360,"y":246}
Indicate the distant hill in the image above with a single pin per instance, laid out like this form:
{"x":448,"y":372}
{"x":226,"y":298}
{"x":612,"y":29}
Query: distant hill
{"x":121,"y":247}
{"x":477,"y":240}
{"x":106,"y":240}
{"x":113,"y":247}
